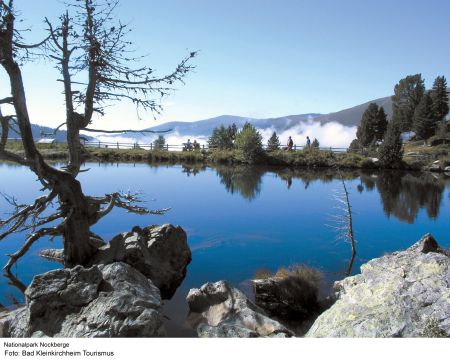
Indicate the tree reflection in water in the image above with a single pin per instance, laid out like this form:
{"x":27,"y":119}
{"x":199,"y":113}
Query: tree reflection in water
{"x":403,"y":194}
{"x":244,"y":180}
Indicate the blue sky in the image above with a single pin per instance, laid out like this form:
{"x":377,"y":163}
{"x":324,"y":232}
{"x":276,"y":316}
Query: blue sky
{"x":264,"y":58}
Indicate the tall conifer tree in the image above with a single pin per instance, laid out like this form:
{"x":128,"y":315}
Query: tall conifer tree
{"x":424,"y":120}
{"x":407,"y":95}
{"x":439,"y":97}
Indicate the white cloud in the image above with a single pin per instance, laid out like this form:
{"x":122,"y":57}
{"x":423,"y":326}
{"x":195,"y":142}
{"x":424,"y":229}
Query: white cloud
{"x":172,"y":139}
{"x":332,"y":134}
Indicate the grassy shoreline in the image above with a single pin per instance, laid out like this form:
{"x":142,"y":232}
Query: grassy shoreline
{"x":417,"y":157}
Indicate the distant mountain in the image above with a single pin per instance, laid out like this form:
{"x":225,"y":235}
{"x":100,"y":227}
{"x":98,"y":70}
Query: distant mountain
{"x":352,"y":116}
{"x":204,"y":128}
{"x":349,"y":117}
{"x":40,"y":132}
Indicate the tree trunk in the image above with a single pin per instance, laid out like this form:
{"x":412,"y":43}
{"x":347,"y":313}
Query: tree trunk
{"x":77,"y":247}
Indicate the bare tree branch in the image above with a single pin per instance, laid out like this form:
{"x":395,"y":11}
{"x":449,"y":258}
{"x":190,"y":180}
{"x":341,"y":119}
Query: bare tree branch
{"x":54,"y":231}
{"x":8,"y":100}
{"x":33,"y":46}
{"x":87,"y":45}
{"x":16,"y":282}
{"x":124,"y":131}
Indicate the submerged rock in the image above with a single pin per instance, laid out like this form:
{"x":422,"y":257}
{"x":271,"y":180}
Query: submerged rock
{"x":220,"y":310}
{"x":161,"y":253}
{"x":113,"y":300}
{"x":403,"y":294}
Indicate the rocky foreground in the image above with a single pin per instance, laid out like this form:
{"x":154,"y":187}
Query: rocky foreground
{"x":219,"y":310}
{"x":403,"y":294}
{"x":119,"y":295}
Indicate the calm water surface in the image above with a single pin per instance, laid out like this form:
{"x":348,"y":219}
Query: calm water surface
{"x":241,"y":219}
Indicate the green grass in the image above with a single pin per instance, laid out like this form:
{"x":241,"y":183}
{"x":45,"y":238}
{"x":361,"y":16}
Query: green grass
{"x":311,"y":158}
{"x":417,"y":156}
{"x":299,"y":271}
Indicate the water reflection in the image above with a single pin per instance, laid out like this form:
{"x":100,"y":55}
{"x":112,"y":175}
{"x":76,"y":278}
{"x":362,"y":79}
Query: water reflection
{"x":276,"y":218}
{"x":193,"y":169}
{"x":404,"y":194}
{"x":244,"y":180}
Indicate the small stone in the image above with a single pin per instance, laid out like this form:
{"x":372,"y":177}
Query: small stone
{"x":219,"y":310}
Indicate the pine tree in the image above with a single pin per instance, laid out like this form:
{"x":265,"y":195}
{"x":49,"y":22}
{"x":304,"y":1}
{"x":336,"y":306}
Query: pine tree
{"x":407,"y":95}
{"x":273,"y":143}
{"x":424,"y":121}
{"x":231,"y":133}
{"x":355,"y":146}
{"x":440,"y":98}
{"x":214,"y":140}
{"x":380,"y":125}
{"x":223,"y":138}
{"x":159,"y":143}
{"x":368,"y":127}
{"x":249,"y":143}
{"x":391,"y":151}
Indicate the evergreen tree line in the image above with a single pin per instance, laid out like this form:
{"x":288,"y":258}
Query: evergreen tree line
{"x":248,"y":140}
{"x":414,"y":109}
{"x":418,"y":110}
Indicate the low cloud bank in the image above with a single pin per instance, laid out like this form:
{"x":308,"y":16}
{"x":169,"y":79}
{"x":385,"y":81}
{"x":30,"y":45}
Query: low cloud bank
{"x":332,"y":134}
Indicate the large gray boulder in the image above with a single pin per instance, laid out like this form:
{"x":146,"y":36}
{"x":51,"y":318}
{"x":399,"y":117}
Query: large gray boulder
{"x":161,"y":253}
{"x":218,"y":310}
{"x":403,"y":294}
{"x":113,"y":300}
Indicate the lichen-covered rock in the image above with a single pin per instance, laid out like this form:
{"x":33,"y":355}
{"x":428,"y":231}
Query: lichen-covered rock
{"x":161,"y":253}
{"x":403,"y":294}
{"x":113,"y":300}
{"x":219,"y":310}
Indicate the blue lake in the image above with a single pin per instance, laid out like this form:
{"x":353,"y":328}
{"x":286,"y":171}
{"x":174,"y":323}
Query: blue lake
{"x":241,"y":219}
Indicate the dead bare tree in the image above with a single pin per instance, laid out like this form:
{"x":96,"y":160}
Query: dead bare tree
{"x":343,"y":221}
{"x":93,"y":56}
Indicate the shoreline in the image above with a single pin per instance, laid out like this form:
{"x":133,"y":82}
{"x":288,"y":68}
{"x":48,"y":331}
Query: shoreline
{"x":311,"y":158}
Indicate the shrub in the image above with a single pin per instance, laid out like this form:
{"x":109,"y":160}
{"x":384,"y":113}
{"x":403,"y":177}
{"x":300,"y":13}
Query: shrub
{"x":282,"y":273}
{"x":355,"y":146}
{"x":159,"y":143}
{"x":309,"y":274}
{"x":262,"y":273}
{"x":391,"y":152}
{"x":291,"y":293}
{"x":249,"y":143}
{"x":273,"y":143}
{"x":223,"y":138}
